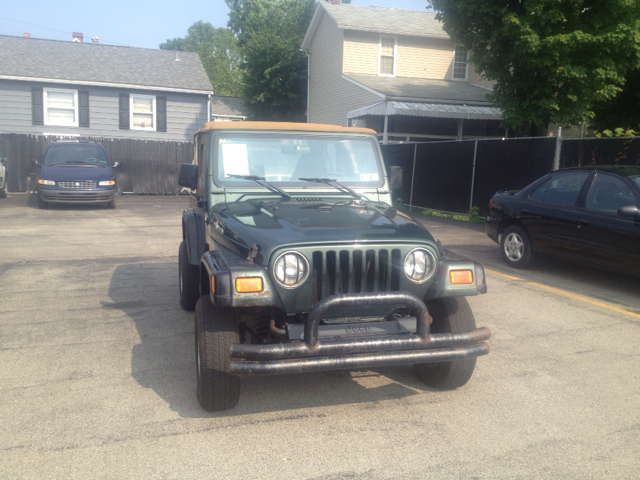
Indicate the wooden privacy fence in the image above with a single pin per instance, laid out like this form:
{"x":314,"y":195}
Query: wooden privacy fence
{"x":146,"y":167}
{"x":458,"y":175}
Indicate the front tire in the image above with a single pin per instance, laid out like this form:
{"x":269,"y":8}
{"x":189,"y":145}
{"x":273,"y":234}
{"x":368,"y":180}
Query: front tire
{"x":216,"y":330}
{"x":41,"y":203}
{"x":515,"y":247}
{"x":189,"y":276}
{"x":450,"y":315}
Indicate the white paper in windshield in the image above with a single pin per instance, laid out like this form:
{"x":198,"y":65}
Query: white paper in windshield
{"x":369,"y":177}
{"x":235,"y":159}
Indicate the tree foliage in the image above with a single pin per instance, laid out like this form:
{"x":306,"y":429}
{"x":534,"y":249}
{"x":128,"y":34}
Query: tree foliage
{"x":218,"y":49}
{"x":552,"y":60}
{"x":270,"y":33}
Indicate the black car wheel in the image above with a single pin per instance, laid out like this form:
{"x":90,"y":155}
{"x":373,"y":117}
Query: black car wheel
{"x":189,"y":279}
{"x":216,"y":330}
{"x":3,"y":192}
{"x":515,"y":247}
{"x":450,"y":315}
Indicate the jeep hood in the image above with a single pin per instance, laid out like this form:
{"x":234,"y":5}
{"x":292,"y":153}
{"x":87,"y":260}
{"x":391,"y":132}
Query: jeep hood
{"x":272,"y":225}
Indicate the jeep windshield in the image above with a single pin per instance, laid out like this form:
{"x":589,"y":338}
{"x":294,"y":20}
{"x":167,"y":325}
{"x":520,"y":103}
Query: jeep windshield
{"x":75,"y":155}
{"x":285,"y":160}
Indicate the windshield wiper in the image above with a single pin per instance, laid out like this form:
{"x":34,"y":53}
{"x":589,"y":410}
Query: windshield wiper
{"x":266,"y":184}
{"x":333,"y":183}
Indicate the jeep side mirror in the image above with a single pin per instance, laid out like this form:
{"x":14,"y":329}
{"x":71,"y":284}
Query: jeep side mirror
{"x":188,"y":176}
{"x":35,"y":163}
{"x":628,"y":211}
{"x":395,"y":177}
{"x":115,"y":165}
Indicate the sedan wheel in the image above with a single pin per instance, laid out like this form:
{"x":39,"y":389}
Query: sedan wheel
{"x":516,"y":247}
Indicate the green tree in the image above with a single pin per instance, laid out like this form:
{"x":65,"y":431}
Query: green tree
{"x":218,"y":49}
{"x":270,"y":33}
{"x":552,"y":60}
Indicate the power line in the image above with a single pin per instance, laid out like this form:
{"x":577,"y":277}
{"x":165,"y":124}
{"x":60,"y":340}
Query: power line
{"x":59,"y":31}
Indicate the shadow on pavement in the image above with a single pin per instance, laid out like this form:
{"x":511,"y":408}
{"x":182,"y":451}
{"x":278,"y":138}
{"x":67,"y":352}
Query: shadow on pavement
{"x":164,"y":359}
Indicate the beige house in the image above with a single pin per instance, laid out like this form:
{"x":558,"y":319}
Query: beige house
{"x":396,"y":71}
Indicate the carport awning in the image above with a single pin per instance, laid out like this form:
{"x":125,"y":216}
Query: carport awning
{"x":435,"y":110}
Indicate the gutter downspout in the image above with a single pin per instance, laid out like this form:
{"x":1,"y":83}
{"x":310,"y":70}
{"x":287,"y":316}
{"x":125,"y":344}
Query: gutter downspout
{"x":208,"y":108}
{"x":308,"y":79}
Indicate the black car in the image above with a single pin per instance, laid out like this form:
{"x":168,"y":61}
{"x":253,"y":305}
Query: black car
{"x":76,"y":172}
{"x":585,"y":214}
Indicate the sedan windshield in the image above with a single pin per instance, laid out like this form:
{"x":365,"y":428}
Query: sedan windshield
{"x":286,"y":160}
{"x":75,"y":155}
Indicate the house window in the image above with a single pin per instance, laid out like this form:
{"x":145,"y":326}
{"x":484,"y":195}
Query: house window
{"x":60,"y":107}
{"x":143,"y":112}
{"x":387,"y":62}
{"x":460,"y":56}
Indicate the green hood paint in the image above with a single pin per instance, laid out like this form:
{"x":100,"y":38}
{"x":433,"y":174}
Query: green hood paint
{"x":273,"y":224}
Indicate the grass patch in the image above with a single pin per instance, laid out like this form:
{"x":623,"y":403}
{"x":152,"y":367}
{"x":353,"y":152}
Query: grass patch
{"x":472,"y":217}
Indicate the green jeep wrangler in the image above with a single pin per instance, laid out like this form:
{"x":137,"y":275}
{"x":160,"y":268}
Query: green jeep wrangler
{"x":295,"y":261}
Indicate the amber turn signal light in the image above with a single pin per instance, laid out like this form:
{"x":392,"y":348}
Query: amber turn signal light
{"x":460,"y":277}
{"x":249,"y":284}
{"x":213,"y":284}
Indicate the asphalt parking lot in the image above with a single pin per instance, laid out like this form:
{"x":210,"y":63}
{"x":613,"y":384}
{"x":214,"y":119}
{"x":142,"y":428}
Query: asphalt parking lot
{"x":98,"y":379}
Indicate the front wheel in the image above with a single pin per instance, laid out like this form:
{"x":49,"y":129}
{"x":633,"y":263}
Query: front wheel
{"x":450,"y":315}
{"x":41,"y":203}
{"x":515,"y":247}
{"x":216,"y":330}
{"x":189,"y":276}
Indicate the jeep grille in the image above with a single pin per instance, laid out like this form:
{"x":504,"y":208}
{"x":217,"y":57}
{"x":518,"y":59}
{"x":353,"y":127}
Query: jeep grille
{"x":355,"y":271}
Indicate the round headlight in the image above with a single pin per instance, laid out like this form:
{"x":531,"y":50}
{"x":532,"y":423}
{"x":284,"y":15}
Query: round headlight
{"x":291,"y":269}
{"x":419,"y":265}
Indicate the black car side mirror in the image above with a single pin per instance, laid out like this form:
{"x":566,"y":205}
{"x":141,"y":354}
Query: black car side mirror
{"x":395,"y":177}
{"x":115,"y":165}
{"x":188,"y":176}
{"x":35,"y":163}
{"x":628,"y":211}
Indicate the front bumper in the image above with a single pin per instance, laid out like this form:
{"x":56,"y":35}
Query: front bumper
{"x":58,"y":195}
{"x":312,"y":355}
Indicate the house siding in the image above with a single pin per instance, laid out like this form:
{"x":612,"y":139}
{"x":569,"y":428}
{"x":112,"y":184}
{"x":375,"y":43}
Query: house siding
{"x":424,"y":58}
{"x":360,"y":52}
{"x":185,"y":112}
{"x":476,"y":79}
{"x":330,"y":96}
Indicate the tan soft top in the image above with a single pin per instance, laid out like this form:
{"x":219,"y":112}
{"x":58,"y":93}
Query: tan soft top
{"x":300,"y":127}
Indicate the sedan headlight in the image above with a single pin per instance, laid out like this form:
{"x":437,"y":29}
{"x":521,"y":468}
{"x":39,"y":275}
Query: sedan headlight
{"x":291,"y":269}
{"x":105,"y":183}
{"x":46,"y":182}
{"x":419,"y":265}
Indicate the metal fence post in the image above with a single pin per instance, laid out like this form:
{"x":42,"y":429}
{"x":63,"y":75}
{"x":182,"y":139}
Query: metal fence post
{"x":556,"y":158}
{"x":473,"y":175}
{"x":413,"y":176}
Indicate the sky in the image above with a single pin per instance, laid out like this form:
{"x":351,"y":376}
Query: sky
{"x":135,"y":23}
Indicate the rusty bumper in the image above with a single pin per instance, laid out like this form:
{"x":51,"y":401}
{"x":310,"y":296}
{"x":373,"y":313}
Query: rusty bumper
{"x":313,"y":355}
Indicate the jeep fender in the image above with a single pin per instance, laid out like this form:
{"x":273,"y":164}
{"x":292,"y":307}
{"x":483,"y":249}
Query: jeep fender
{"x":193,"y":232}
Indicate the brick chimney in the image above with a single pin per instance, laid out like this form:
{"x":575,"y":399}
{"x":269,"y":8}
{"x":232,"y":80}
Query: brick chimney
{"x":26,"y":35}
{"x":334,"y":2}
{"x":77,"y":37}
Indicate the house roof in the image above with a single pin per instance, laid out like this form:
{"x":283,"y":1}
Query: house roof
{"x":227,"y":106}
{"x":34,"y":59}
{"x":421,"y":89}
{"x":392,"y":21}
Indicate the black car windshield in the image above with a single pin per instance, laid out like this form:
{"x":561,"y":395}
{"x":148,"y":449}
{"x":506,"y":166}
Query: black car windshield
{"x":75,"y":155}
{"x":284,"y":160}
